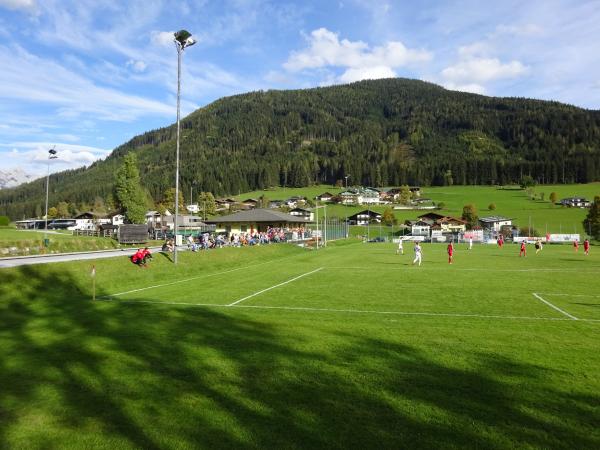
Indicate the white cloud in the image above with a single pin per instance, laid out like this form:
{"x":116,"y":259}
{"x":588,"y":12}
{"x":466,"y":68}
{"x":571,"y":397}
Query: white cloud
{"x":327,"y":50}
{"x":29,"y":6}
{"x":49,"y":82}
{"x":471,"y":87}
{"x":481,"y":70}
{"x":367,"y":73}
{"x":33,"y":156}
{"x":163,"y":38}
{"x":528,"y":29}
{"x":137,"y":66}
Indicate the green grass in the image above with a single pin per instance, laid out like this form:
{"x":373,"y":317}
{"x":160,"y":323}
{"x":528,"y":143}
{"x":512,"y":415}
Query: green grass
{"x":24,"y":242}
{"x":509,"y":203}
{"x":368,"y":351}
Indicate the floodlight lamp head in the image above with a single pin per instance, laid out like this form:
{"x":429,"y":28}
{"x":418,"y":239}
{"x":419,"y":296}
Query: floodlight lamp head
{"x":184,"y":38}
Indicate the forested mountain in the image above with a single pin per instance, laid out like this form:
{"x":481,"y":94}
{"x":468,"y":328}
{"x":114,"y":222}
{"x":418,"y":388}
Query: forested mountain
{"x":382,"y":132}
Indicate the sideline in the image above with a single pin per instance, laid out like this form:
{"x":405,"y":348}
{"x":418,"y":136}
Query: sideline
{"x":199,"y":277}
{"x":346,"y":311}
{"x":273,"y":287}
{"x":554,"y":307}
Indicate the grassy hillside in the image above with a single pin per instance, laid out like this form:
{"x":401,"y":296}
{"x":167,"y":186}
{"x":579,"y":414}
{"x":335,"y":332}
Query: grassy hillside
{"x":380,"y":132}
{"x":343,"y":347}
{"x":509,"y":203}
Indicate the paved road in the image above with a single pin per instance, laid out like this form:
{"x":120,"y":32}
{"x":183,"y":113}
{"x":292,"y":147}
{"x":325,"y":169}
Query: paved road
{"x":45,"y":259}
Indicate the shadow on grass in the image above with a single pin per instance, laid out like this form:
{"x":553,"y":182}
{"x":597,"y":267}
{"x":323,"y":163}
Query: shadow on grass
{"x":112,"y":375}
{"x":165,"y":255}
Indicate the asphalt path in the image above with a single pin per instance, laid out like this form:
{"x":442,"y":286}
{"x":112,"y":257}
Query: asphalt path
{"x":62,"y":257}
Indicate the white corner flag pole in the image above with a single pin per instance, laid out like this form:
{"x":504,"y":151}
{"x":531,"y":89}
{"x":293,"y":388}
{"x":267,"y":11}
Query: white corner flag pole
{"x":93,"y":274}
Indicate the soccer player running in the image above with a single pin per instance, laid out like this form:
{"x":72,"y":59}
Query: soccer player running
{"x":586,"y":247}
{"x":450,"y":250}
{"x":523,"y":251}
{"x":418,"y":254}
{"x":538,"y":246}
{"x":400,"y":250}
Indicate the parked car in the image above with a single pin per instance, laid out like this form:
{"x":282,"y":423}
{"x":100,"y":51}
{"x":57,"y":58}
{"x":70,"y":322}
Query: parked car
{"x":377,"y":239}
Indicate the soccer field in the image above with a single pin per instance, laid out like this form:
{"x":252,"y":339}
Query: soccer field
{"x":282,"y":347}
{"x":556,"y":284}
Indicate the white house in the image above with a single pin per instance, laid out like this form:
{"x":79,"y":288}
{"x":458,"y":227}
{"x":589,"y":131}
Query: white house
{"x":420,"y":228}
{"x":576,"y":202}
{"x":118,"y":219}
{"x":494,"y":223}
{"x":302,"y":213}
{"x":364,"y":217}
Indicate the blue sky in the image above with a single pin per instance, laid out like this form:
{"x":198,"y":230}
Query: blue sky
{"x":87,"y":75}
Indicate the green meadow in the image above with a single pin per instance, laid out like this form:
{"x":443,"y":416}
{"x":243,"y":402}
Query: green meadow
{"x":513,"y":203}
{"x":282,"y":347}
{"x":24,"y":242}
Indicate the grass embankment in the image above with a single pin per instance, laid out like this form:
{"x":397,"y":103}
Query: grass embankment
{"x":439,"y":356}
{"x":23,"y":242}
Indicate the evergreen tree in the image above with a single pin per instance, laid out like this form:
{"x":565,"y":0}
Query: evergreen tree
{"x":553,"y":197}
{"x":128,"y":190}
{"x":591,"y":223}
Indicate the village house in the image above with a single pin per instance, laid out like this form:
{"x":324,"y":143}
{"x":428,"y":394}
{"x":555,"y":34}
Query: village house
{"x":364,"y":218}
{"x":256,"y":220}
{"x":302,"y":213}
{"x":324,"y":197}
{"x":494,"y":223}
{"x":576,"y":202}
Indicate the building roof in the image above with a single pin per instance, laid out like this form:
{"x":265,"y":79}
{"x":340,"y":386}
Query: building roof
{"x":90,"y":215}
{"x":364,"y":213}
{"x":257,"y":215}
{"x":493,"y":219}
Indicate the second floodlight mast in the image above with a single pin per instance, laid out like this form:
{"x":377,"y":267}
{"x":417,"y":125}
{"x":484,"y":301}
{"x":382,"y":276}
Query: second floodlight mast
{"x":183,"y":39}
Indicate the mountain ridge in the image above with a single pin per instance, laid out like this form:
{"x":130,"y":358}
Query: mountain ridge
{"x":381,"y":132}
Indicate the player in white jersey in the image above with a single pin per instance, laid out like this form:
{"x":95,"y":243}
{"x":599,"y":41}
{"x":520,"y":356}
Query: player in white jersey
{"x":418,"y":254}
{"x":400,"y":250}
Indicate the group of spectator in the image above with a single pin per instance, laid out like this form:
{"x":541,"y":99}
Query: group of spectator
{"x":205,"y":241}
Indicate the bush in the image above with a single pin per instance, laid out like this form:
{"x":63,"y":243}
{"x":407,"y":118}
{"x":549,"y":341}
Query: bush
{"x":4,"y":221}
{"x":441,"y":205}
{"x":492,"y":206}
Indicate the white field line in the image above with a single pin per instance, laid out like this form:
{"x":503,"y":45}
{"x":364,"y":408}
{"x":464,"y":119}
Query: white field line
{"x":568,"y":295}
{"x":273,"y":287}
{"x":554,"y":307}
{"x":348,"y":311}
{"x":378,"y":268}
{"x":196,"y":278}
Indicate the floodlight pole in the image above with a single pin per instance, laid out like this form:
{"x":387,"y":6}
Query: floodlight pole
{"x":182,"y":40}
{"x":51,"y":155}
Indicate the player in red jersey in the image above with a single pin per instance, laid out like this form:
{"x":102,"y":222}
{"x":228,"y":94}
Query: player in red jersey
{"x":138,"y":257}
{"x":576,"y":246}
{"x":450,"y":250}
{"x":523,"y":250}
{"x":586,"y":247}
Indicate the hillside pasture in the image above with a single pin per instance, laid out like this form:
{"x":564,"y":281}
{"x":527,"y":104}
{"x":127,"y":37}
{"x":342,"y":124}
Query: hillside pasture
{"x":510,"y":202}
